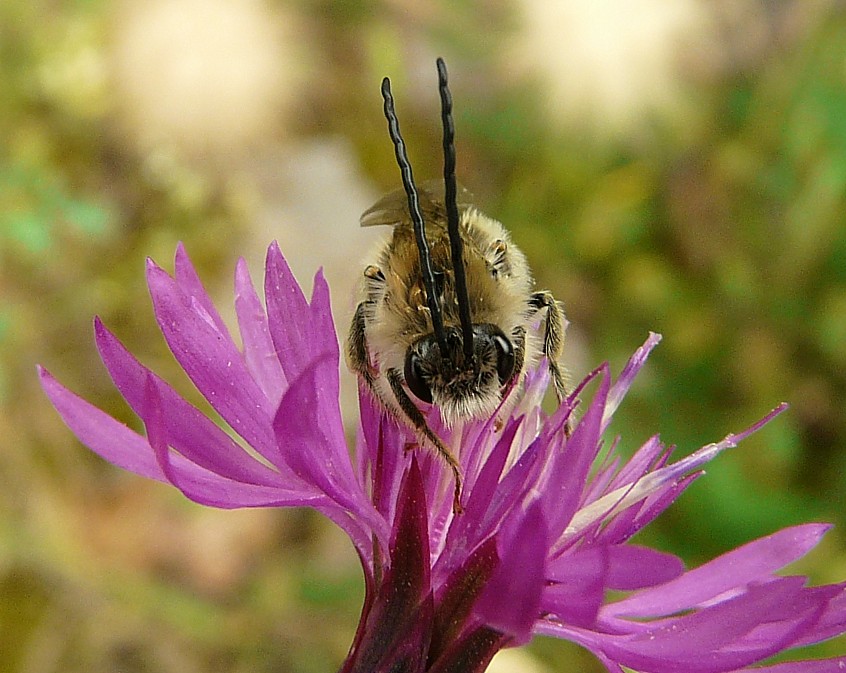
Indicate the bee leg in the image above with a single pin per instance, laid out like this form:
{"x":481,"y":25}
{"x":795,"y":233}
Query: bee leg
{"x":553,"y":341}
{"x":518,"y":337}
{"x":419,"y":422}
{"x":357,"y":357}
{"x":553,"y":336}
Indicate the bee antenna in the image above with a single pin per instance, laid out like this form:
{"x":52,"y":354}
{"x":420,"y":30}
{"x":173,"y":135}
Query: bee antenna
{"x":416,"y":216}
{"x":450,"y":201}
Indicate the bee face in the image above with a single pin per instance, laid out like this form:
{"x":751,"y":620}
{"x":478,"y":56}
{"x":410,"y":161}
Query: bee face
{"x":459,"y":386}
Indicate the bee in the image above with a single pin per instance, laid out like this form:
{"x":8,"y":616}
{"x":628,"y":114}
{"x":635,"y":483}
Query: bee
{"x":447,"y":314}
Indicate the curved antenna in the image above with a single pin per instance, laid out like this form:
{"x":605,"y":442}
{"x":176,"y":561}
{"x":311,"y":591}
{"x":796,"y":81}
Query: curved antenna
{"x":450,"y":201}
{"x":416,"y":217}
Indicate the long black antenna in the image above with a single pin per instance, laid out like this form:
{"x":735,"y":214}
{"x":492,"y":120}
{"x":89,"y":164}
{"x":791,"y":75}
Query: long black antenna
{"x":416,"y":217}
{"x":456,"y":245}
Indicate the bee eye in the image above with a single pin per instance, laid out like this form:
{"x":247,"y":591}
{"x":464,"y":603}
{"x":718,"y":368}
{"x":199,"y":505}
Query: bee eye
{"x":414,"y":377}
{"x":504,"y":358}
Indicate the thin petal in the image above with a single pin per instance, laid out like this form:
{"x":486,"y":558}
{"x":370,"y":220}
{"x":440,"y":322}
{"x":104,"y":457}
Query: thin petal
{"x":576,"y":587}
{"x":323,"y":325}
{"x":474,"y":525}
{"x":754,"y":561}
{"x":100,"y":432}
{"x":660,"y":479}
{"x":259,"y":351}
{"x":568,"y":473}
{"x":832,"y":621}
{"x":188,"y":430}
{"x":535,"y":385}
{"x":628,"y":566}
{"x":837,"y":665}
{"x":310,"y":435}
{"x":729,"y":632}
{"x":644,"y":460}
{"x":632,"y":567}
{"x":630,"y":371}
{"x":511,"y":600}
{"x":382,"y":458}
{"x":128,"y":450}
{"x":289,"y":316}
{"x":213,"y":490}
{"x":189,"y":282}
{"x":518,"y":484}
{"x":620,"y":525}
{"x":213,"y":363}
{"x":202,"y":486}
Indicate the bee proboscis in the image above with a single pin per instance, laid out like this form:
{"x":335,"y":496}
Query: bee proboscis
{"x":447,"y":314}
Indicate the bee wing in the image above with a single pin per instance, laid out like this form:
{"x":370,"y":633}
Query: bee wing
{"x":392,"y":209}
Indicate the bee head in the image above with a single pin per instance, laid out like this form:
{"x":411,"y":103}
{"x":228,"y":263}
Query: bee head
{"x":461,"y":369}
{"x":459,"y":386}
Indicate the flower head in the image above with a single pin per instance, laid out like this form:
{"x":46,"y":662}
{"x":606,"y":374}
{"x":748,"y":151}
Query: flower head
{"x":544,"y":535}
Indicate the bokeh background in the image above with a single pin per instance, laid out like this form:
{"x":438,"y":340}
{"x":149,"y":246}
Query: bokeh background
{"x":667,"y":165}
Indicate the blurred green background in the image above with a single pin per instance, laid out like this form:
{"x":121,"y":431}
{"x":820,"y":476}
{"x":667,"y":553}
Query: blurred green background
{"x":668,"y":165}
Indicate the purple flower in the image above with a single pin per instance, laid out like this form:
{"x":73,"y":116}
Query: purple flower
{"x":544,"y":535}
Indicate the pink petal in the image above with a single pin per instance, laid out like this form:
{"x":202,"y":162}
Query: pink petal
{"x":202,"y":486}
{"x":645,"y":459}
{"x":628,"y":521}
{"x":659,"y":482}
{"x":627,"y":376}
{"x":100,"y":432}
{"x":837,"y":665}
{"x":476,"y":523}
{"x":213,"y":363}
{"x":735,"y":633}
{"x":289,"y":316}
{"x":567,"y":475}
{"x":190,"y":284}
{"x":510,"y":603}
{"x":310,"y":436}
{"x":576,"y":586}
{"x":752,"y":562}
{"x":832,"y":621}
{"x":127,"y":449}
{"x":259,"y":351}
{"x":323,"y":324}
{"x":188,"y":430}
{"x":632,"y":567}
{"x":513,"y":488}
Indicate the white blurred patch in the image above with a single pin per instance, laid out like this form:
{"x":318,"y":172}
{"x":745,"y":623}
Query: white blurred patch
{"x":202,"y":77}
{"x":612,"y":65}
